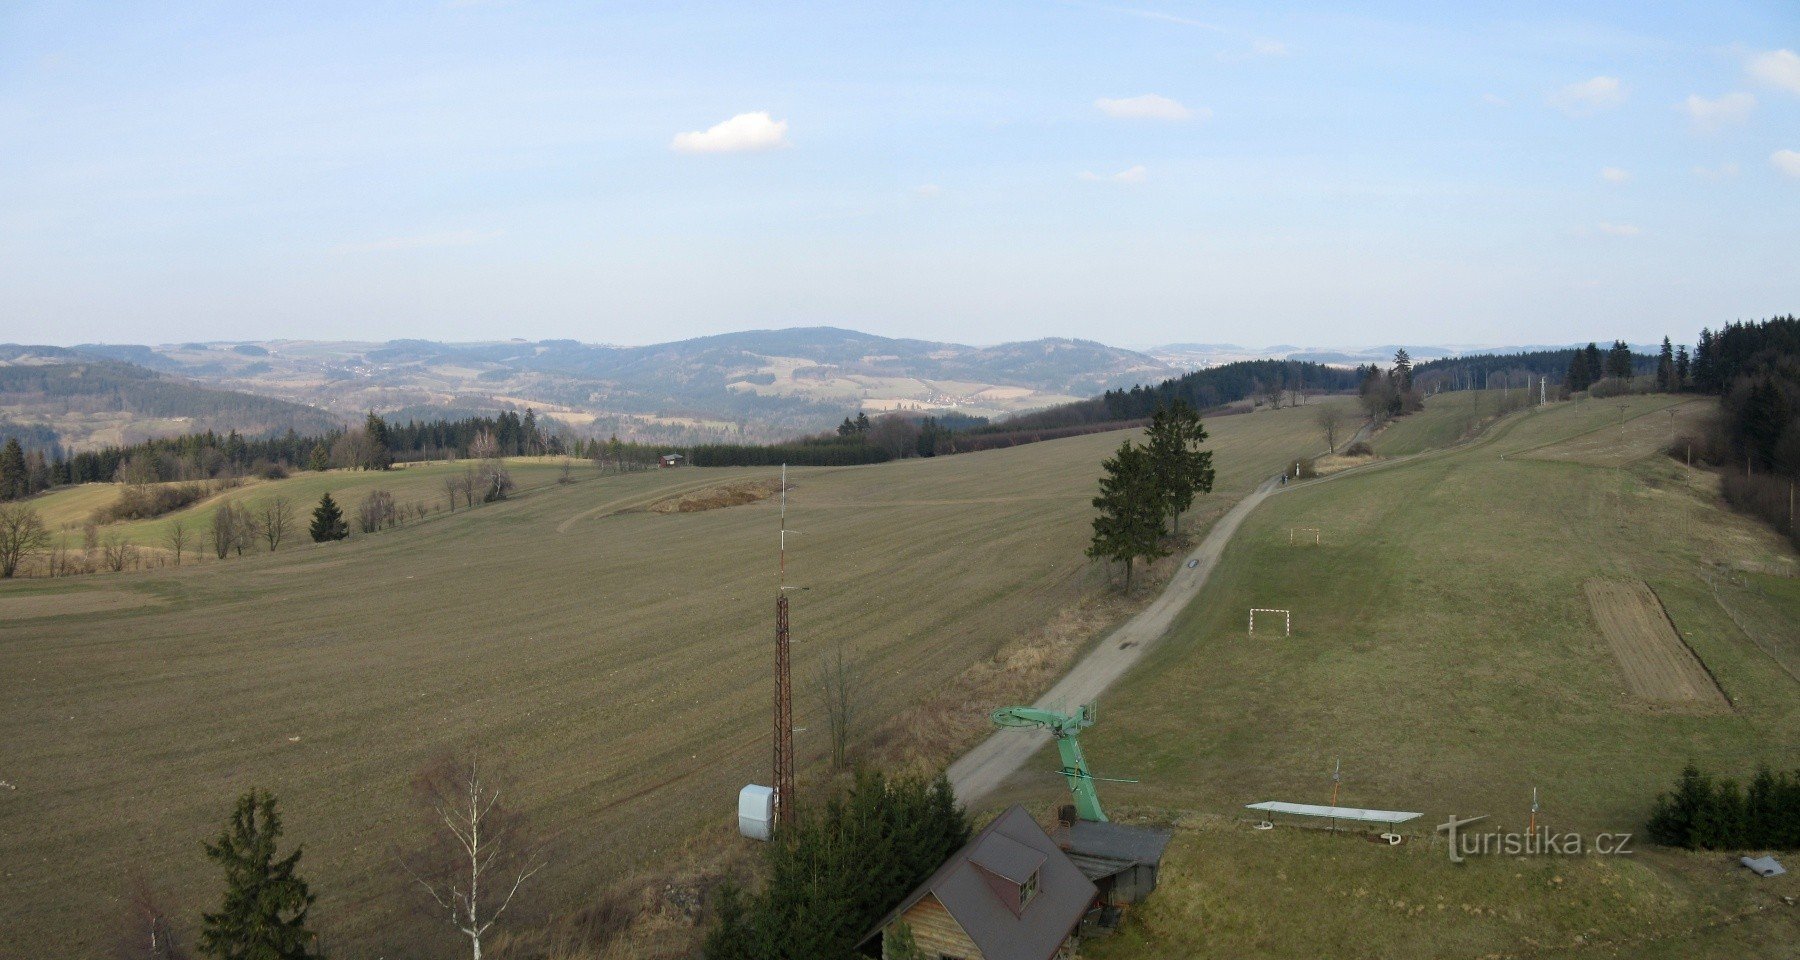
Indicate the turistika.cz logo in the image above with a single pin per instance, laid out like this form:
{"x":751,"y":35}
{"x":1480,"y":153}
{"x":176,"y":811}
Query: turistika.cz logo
{"x":1540,"y":842}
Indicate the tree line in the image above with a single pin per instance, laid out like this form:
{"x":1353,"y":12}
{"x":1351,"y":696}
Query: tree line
{"x":1707,"y":813}
{"x":1143,"y":486}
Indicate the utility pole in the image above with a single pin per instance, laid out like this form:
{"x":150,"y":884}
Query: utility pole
{"x":784,"y":689}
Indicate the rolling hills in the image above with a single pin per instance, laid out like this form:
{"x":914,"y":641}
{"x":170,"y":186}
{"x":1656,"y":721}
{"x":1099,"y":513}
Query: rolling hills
{"x":617,"y":654}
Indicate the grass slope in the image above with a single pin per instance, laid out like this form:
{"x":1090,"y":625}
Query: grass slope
{"x":1444,"y":649}
{"x":619,"y":655}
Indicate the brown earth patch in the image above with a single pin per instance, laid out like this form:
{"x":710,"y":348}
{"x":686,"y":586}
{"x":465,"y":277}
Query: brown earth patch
{"x":1658,"y":665}
{"x":721,"y":496}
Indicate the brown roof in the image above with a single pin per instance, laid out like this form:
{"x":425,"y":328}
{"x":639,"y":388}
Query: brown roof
{"x":1012,"y":844}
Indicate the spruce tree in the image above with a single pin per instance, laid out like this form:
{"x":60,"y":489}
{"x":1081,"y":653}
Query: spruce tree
{"x":1182,"y":468}
{"x":1578,"y":377}
{"x":1665,"y":367}
{"x":1596,"y":365}
{"x":263,"y":916}
{"x":1129,"y":524}
{"x":319,"y":459}
{"x":328,"y":521}
{"x":376,"y":431}
{"x":13,"y":473}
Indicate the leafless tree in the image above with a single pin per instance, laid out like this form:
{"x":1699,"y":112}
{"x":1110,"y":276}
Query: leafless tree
{"x":146,"y":931}
{"x":22,"y":533}
{"x":1330,"y":418}
{"x":452,"y":487}
{"x":175,"y":535}
{"x":277,"y":517}
{"x":484,"y":446}
{"x":117,"y":552}
{"x":477,"y":853}
{"x":568,"y":471}
{"x":223,"y":530}
{"x":245,"y":528}
{"x":841,"y":682}
{"x":375,"y":511}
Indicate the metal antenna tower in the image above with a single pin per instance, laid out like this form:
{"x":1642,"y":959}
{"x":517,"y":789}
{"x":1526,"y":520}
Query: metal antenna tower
{"x":784,"y":687}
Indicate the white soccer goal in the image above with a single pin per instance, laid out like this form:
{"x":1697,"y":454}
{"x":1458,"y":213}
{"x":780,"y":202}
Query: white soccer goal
{"x":1300,"y":535}
{"x":1287,"y":620}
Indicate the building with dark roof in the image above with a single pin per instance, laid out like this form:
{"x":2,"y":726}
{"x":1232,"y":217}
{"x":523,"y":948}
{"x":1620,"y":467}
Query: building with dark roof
{"x":1010,"y":894}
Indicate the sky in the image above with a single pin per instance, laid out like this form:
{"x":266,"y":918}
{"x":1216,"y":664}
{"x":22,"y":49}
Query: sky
{"x":1139,"y":173}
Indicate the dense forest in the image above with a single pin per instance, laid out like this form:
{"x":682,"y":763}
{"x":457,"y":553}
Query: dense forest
{"x":1754,"y":369}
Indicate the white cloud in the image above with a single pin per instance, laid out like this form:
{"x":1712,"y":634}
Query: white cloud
{"x":1723,"y":171}
{"x":1589,"y":97}
{"x":1493,"y":100}
{"x":453,"y":238}
{"x":744,"y":132}
{"x":1619,"y":229}
{"x":1777,"y":68}
{"x":1135,"y":174}
{"x":1147,"y":107}
{"x":1615,"y":174}
{"x":928,"y":189}
{"x":1712,"y":114}
{"x":1787,"y":161}
{"x":1259,"y":49}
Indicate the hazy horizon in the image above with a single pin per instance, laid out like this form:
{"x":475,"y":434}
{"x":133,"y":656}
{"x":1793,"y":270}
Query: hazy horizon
{"x":1140,"y":174}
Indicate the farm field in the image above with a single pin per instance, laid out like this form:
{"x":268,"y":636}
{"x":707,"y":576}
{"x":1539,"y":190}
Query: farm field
{"x":1445,"y":650}
{"x":618,"y":655}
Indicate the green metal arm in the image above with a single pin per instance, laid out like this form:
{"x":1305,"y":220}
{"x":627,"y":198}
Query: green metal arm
{"x":1066,"y":728}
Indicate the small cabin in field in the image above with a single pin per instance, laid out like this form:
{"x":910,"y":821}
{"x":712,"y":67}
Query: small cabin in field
{"x":670,"y":460}
{"x":1121,"y":861}
{"x":1010,"y":894}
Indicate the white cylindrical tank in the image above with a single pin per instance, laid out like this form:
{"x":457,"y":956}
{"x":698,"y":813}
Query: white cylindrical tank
{"x":756,"y":811}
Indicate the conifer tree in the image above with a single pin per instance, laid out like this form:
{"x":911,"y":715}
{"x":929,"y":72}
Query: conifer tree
{"x":263,"y":916}
{"x":1182,"y":468}
{"x":1129,"y":525}
{"x":319,"y":459}
{"x":14,"y":482}
{"x":1596,"y":365}
{"x":375,"y":432}
{"x":1665,"y":367}
{"x":1579,"y":378}
{"x":328,"y":521}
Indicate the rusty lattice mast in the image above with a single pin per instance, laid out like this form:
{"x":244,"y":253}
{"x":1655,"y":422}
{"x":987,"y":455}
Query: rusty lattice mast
{"x":784,"y":687}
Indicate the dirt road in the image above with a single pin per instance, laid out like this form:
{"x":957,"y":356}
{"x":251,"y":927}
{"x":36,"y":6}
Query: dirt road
{"x":979,"y":771}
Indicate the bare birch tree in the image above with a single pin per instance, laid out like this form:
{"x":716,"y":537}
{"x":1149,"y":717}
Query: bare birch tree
{"x":146,"y":931}
{"x":477,"y":854}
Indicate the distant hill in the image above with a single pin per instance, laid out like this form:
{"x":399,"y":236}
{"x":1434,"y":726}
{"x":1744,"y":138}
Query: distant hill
{"x":54,"y":397}
{"x":749,"y":385}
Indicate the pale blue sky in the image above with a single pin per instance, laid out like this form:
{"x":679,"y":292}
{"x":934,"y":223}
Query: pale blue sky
{"x":1309,"y":173}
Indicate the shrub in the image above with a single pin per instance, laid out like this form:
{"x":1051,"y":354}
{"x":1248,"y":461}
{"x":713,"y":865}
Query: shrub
{"x":1359,"y":449}
{"x":143,"y":501}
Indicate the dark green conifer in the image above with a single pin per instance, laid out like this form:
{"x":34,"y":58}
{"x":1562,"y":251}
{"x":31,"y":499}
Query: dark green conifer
{"x":263,"y":916}
{"x":328,"y":521}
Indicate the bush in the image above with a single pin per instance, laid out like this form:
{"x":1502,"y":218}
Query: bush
{"x":1359,"y":449}
{"x":1706,"y":814}
{"x":143,"y":501}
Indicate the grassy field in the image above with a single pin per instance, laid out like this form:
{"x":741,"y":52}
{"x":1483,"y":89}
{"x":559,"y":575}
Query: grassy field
{"x":1447,"y":418}
{"x":1444,"y":649}
{"x":65,"y":510}
{"x":619,"y":655}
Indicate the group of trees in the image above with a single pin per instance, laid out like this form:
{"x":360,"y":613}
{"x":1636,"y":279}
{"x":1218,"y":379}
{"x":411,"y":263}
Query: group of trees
{"x":471,"y":857}
{"x":1145,"y":486}
{"x":1703,"y":813}
{"x":832,"y":874}
{"x":1227,"y":383}
{"x":1391,"y":393}
{"x":376,"y":444}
